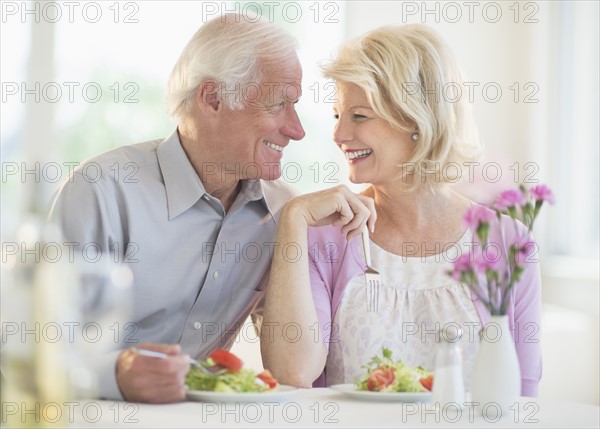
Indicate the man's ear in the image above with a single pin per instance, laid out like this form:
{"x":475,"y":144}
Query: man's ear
{"x":207,"y":95}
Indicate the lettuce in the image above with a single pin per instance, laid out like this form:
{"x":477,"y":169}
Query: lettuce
{"x":406,"y":378}
{"x":243,"y":380}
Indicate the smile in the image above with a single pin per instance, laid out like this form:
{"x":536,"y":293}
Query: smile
{"x":273,"y":146}
{"x":357,"y":154}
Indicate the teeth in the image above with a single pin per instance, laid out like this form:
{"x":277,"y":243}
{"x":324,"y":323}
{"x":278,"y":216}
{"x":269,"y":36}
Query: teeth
{"x":274,"y":146}
{"x":358,"y":153}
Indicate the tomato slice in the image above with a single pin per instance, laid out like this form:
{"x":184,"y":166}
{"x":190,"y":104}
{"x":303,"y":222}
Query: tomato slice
{"x":227,"y":360}
{"x":427,"y":382}
{"x":267,"y":378}
{"x":380,"y":378}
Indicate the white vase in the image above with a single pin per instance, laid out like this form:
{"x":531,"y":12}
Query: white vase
{"x":496,"y":378}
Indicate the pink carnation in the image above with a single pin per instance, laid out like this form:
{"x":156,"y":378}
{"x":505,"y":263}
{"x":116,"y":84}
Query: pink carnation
{"x":461,"y":265}
{"x":489,"y":258}
{"x":526,"y":251}
{"x":509,"y":198}
{"x":542,"y":193}
{"x":476,"y":215}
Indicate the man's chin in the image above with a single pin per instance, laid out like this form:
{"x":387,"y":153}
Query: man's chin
{"x":271,"y":178}
{"x":270,"y":171}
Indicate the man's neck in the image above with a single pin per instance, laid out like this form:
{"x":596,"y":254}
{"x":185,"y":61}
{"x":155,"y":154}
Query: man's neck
{"x":217,"y":180}
{"x":225,"y":192}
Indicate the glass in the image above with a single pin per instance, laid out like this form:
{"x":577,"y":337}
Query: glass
{"x":58,"y":309}
{"x":35,"y":309}
{"x":103,"y":297}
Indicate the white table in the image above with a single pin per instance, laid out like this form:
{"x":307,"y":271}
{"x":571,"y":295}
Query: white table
{"x":325,"y":408}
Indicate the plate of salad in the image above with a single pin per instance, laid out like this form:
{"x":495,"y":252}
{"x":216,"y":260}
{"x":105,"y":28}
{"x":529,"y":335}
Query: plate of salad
{"x":236,"y":384}
{"x":387,"y":379}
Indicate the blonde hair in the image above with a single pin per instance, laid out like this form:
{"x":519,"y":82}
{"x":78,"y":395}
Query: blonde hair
{"x":230,"y":50}
{"x":406,"y":73}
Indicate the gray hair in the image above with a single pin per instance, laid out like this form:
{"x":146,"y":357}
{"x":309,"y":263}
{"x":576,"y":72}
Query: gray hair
{"x":229,"y":50}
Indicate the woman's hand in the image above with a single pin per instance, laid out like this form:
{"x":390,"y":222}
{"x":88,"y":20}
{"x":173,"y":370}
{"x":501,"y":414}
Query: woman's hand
{"x":336,"y":206}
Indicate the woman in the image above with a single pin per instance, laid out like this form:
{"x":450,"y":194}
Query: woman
{"x":399,"y":125}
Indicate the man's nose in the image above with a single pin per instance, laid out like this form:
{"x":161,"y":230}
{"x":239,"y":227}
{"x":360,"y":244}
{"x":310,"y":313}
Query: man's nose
{"x":293,"y":128}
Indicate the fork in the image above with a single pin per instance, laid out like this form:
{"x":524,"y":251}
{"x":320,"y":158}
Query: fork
{"x":372,"y":277}
{"x":194,"y":362}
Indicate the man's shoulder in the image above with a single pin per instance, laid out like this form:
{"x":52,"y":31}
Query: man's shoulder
{"x":138,"y":154}
{"x":114,"y":170}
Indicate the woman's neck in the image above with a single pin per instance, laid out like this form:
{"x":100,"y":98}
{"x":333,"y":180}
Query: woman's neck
{"x":426,"y":217}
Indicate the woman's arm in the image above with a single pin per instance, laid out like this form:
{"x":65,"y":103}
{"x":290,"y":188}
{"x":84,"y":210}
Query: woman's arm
{"x":527,"y":327}
{"x":293,"y":352}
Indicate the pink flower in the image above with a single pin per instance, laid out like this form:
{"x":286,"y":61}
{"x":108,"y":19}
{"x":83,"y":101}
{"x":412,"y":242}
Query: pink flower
{"x":491,"y":271}
{"x":509,"y":198}
{"x":488,"y":258}
{"x":477,"y":215}
{"x":542,"y":193}
{"x":525,"y":251}
{"x":461,"y":265}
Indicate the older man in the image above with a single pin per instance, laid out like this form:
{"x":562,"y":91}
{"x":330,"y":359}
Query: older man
{"x":194,"y":215}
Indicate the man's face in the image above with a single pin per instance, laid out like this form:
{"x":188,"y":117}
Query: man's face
{"x":256,"y":136}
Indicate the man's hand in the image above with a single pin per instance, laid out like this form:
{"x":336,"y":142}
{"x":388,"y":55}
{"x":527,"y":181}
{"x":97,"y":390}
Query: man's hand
{"x":149,"y":379}
{"x":336,"y":206}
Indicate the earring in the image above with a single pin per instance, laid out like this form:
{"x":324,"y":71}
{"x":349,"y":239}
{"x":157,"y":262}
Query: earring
{"x":415,"y":136}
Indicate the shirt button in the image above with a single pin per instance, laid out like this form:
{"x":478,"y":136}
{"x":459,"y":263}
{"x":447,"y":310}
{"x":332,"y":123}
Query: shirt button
{"x":197,"y":325}
{"x":216,"y":275}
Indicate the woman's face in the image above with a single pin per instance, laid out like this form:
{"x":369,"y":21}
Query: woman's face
{"x":374,"y":150}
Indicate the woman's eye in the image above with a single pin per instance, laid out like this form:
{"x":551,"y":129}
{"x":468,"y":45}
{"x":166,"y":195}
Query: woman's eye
{"x":358,"y":117}
{"x":336,"y":116}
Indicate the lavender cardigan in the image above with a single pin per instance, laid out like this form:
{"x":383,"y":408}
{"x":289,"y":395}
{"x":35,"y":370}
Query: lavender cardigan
{"x":333,"y":262}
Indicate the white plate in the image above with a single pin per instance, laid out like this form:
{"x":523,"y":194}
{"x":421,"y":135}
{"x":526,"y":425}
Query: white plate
{"x":280,"y":392}
{"x":351,"y":391}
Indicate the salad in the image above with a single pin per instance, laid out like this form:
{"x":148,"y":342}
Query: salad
{"x":386,"y":375}
{"x":235,"y":380}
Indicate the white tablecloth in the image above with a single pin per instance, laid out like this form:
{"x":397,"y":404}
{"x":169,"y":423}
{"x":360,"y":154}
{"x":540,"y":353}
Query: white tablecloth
{"x":326,"y":408}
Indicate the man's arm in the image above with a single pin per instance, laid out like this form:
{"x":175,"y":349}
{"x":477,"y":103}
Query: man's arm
{"x":88,"y":215}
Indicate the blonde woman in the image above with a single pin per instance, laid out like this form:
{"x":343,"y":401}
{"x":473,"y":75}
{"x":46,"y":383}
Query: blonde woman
{"x":399,"y":125}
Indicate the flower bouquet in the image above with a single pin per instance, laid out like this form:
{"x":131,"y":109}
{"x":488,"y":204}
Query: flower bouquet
{"x":489,"y":271}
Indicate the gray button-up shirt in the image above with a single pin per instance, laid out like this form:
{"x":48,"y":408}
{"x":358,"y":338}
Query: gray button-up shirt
{"x":198,"y":271}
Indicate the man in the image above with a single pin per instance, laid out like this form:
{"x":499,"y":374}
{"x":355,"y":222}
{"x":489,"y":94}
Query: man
{"x":194,"y":215}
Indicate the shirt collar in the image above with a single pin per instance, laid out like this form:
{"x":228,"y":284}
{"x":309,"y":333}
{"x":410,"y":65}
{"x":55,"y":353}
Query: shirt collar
{"x":275,"y":195}
{"x":182,"y":184}
{"x":272,"y":194}
{"x":253,"y":190}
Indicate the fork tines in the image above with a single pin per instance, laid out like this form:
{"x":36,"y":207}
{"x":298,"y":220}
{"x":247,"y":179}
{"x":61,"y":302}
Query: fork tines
{"x":372,"y":277}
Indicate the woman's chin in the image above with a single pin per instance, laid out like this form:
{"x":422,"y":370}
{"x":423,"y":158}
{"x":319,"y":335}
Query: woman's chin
{"x":357,"y":179}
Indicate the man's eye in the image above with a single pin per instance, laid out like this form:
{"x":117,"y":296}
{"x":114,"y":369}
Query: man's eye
{"x":276,"y":107}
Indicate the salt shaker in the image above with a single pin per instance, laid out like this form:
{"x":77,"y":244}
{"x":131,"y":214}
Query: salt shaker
{"x":448,"y":382}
